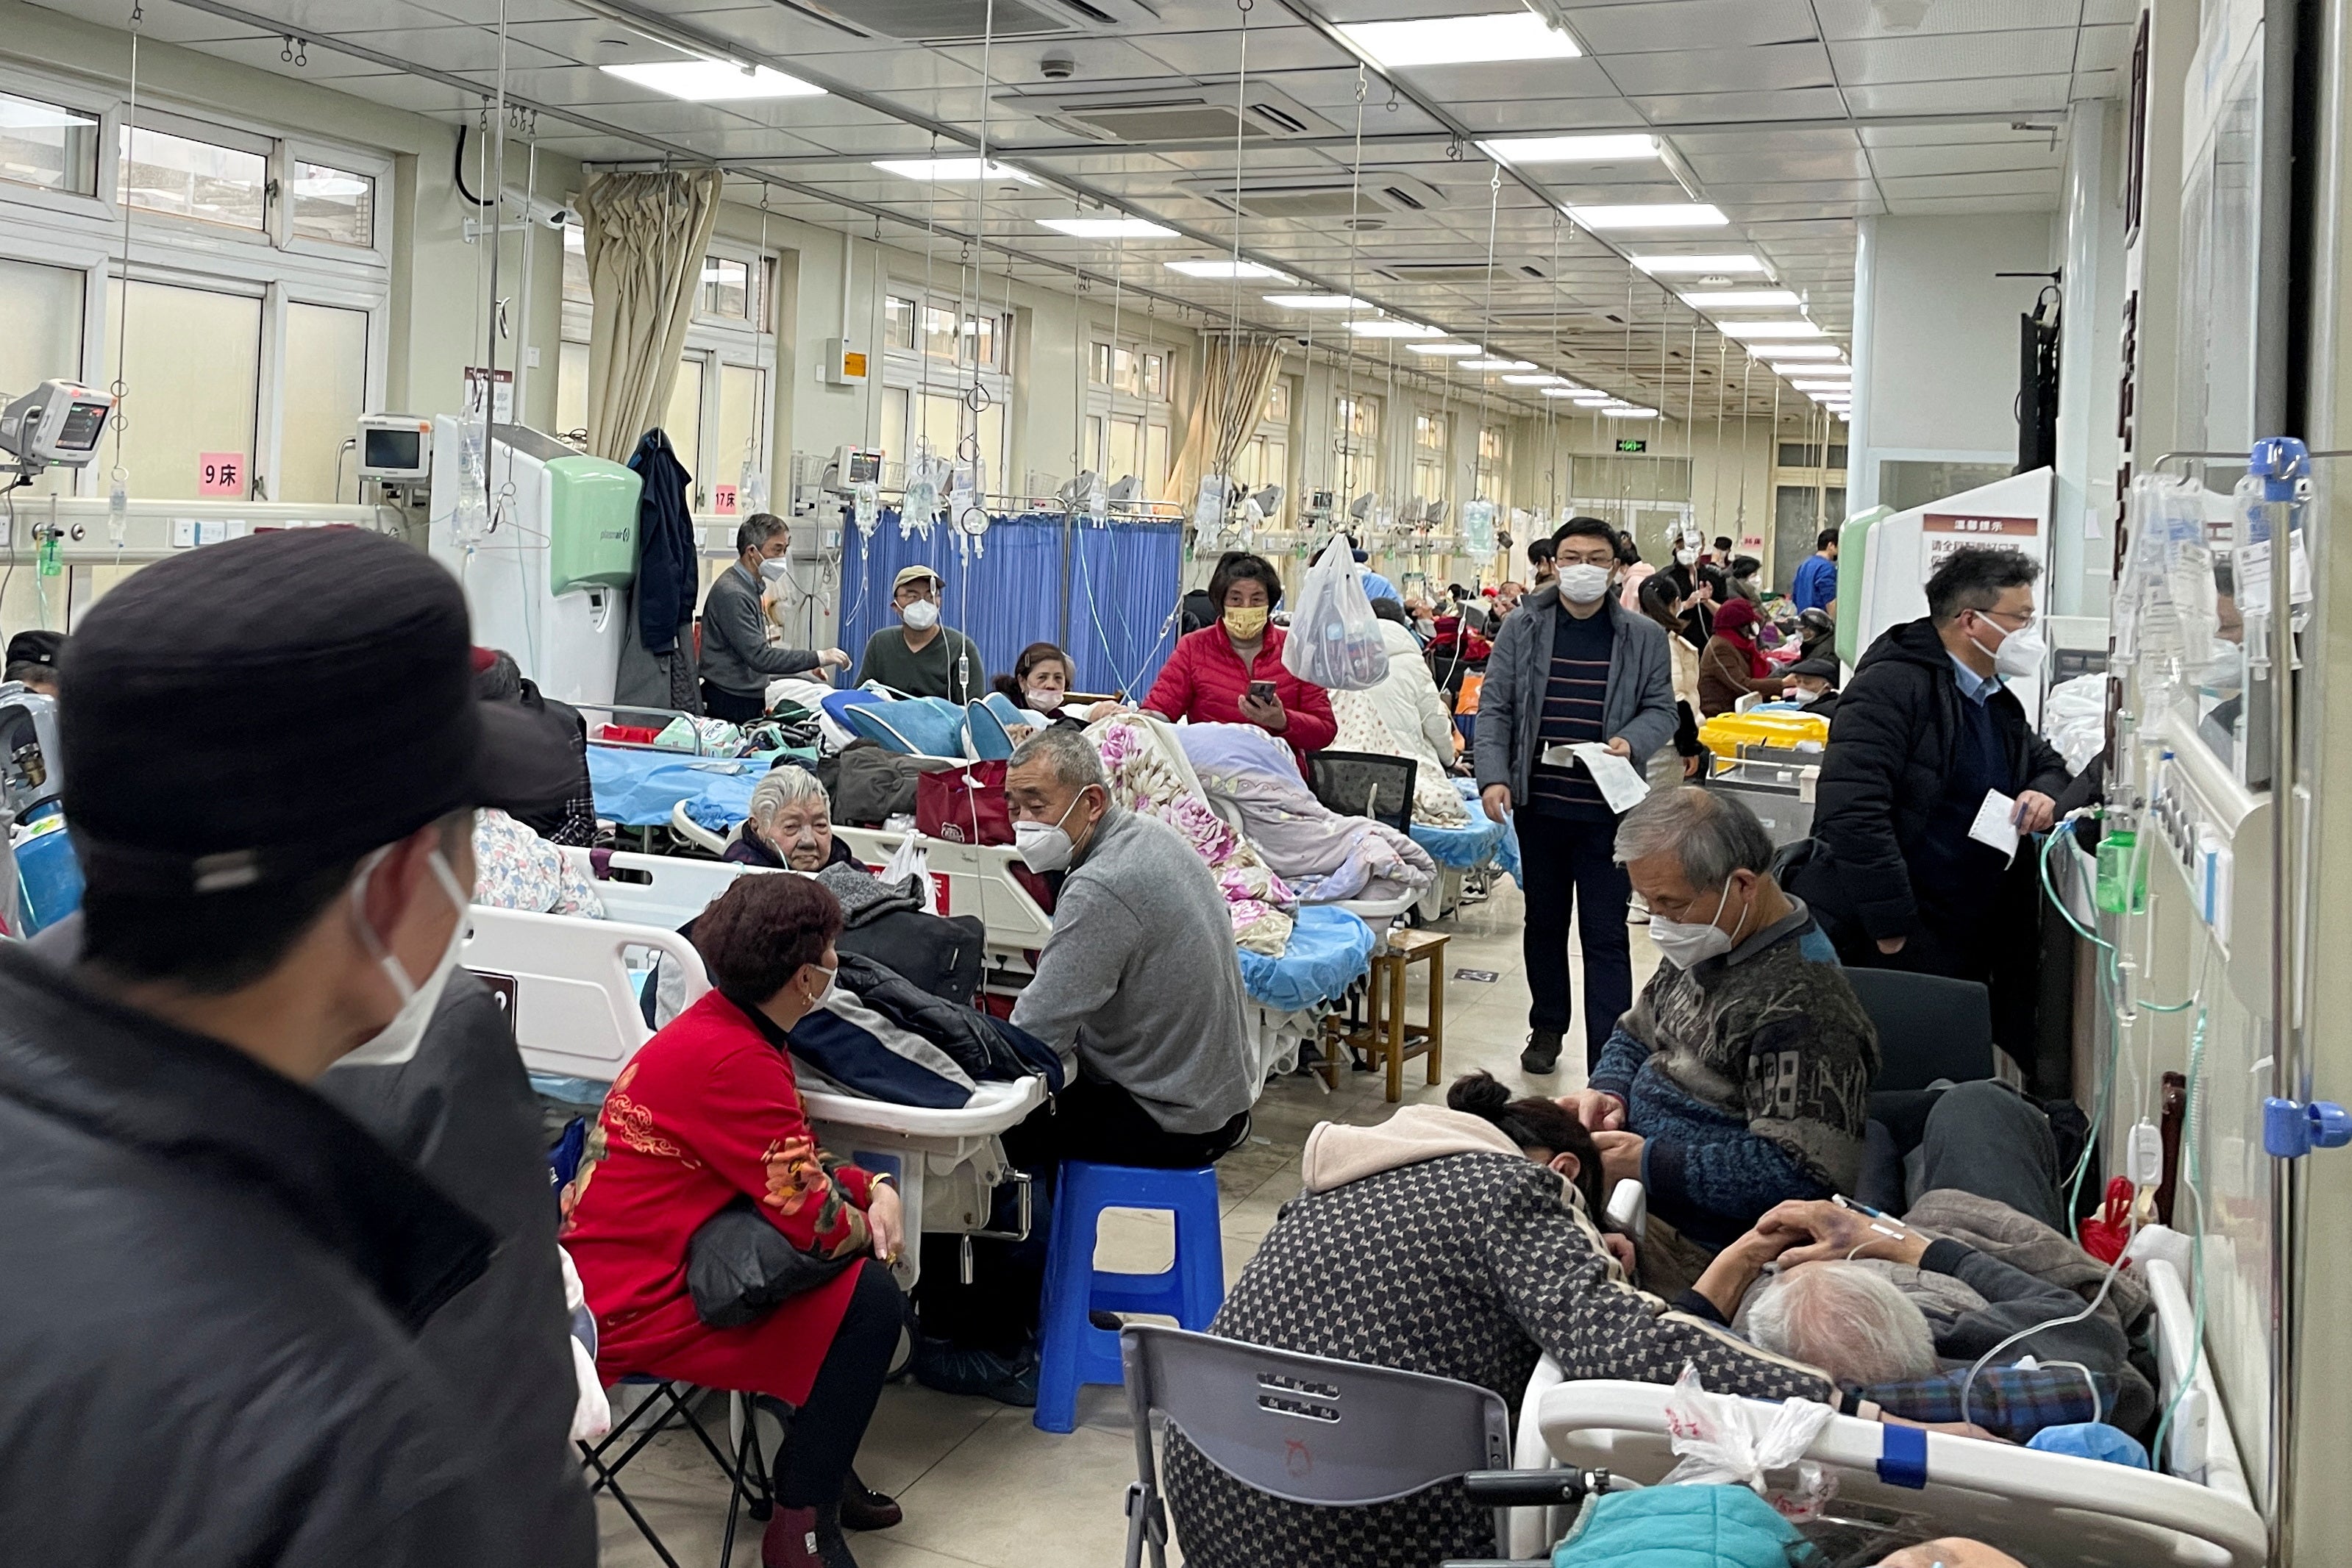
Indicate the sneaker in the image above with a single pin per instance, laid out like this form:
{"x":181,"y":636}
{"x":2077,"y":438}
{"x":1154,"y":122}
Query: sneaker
{"x":953,"y":1369}
{"x":1541,"y":1056}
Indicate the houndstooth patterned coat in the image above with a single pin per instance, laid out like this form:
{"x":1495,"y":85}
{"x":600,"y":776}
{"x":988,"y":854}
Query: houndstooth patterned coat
{"x":1465,"y":1267}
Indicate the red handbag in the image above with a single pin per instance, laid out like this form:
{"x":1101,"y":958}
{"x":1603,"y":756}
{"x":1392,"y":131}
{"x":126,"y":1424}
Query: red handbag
{"x":964,"y":805}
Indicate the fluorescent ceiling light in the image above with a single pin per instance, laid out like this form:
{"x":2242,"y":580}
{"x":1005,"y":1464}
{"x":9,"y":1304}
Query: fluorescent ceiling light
{"x":1629,"y":414}
{"x":1651,"y":215}
{"x":1594,"y":399}
{"x":1545,"y":379}
{"x":1838,"y":386}
{"x":1446,"y":351}
{"x":1317,"y":302}
{"x":714,"y":81}
{"x":1743,"y":300}
{"x":1516,"y":149}
{"x":1669,"y":266}
{"x":1779,"y":351}
{"x":1498,"y":364}
{"x":1389,"y":327}
{"x":1791,"y":329}
{"x":1801,"y":368}
{"x":1223,"y":268}
{"x":1559,"y":391}
{"x":942,"y":170}
{"x":1107,"y":227}
{"x":1460,"y":40}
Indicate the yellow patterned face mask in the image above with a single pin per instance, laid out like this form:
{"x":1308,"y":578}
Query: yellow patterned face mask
{"x":1247,"y":624}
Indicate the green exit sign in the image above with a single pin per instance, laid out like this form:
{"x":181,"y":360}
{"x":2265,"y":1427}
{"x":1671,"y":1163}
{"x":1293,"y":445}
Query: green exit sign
{"x":1633,"y":444}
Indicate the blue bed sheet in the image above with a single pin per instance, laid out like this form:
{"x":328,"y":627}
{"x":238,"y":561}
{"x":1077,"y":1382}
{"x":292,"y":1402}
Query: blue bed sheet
{"x":638,"y":789}
{"x":1461,"y":847}
{"x":1329,"y":948}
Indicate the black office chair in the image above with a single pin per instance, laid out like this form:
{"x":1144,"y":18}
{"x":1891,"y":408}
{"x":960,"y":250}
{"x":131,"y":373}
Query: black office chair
{"x":1929,"y":1028}
{"x":1364,"y":784}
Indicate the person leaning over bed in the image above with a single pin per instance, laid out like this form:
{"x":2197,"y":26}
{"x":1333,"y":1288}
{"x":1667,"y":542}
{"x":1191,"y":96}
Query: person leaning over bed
{"x":1458,"y":1241}
{"x":737,"y":662}
{"x":709,"y":1110}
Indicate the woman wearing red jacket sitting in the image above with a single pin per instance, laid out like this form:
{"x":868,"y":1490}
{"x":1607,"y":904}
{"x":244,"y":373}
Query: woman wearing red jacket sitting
{"x":1207,"y":678}
{"x":707,"y":1110}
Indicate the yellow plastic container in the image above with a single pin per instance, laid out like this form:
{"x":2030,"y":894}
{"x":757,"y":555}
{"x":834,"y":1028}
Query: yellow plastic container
{"x":1727,"y":733}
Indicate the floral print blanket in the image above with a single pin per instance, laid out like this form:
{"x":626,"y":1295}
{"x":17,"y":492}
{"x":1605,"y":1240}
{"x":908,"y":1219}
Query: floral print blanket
{"x":1144,"y":778}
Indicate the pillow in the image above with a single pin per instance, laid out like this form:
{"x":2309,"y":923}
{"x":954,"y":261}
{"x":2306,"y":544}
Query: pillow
{"x":918,"y":727}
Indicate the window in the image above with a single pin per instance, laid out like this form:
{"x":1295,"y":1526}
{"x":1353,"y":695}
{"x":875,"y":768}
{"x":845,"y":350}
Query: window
{"x":182,"y":405}
{"x":1136,"y":373}
{"x":179,"y":175}
{"x":1429,"y":455}
{"x":571,"y":391}
{"x":725,"y":289}
{"x":40,"y":337}
{"x":48,"y":146}
{"x":898,"y":323}
{"x":575,"y":267}
{"x":1356,"y":441}
{"x":325,"y":392}
{"x":1808,"y":455}
{"x":1264,"y":457}
{"x":1489,"y":477}
{"x":332,"y":206}
{"x":1128,"y":415}
{"x":1278,"y":402}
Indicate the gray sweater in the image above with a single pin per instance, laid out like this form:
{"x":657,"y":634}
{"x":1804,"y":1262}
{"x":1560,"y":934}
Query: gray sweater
{"x":1139,"y":980}
{"x":735,"y":652}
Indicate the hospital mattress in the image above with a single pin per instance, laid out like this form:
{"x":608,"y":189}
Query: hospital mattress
{"x":1329,"y":950}
{"x":1504,"y":846}
{"x":1461,"y":847}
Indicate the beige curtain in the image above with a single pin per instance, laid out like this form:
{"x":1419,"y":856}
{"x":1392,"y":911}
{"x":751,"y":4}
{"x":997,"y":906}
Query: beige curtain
{"x":1232,"y":388}
{"x":644,"y":235}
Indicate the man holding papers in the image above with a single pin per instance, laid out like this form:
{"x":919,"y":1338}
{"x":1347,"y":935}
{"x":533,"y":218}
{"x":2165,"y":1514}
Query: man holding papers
{"x":1578,"y":693}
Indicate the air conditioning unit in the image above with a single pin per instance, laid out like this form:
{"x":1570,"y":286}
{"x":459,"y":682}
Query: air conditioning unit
{"x":1320,"y":197}
{"x":1506,"y":271}
{"x":1169,"y":111}
{"x":966,"y":21}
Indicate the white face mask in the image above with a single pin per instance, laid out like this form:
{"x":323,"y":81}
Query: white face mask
{"x":920,"y":617}
{"x":1689,"y":945}
{"x":1802,"y":697}
{"x":1043,"y":846}
{"x":1582,"y":583}
{"x":397,"y":1041}
{"x":832,"y":978}
{"x":1687,"y":557}
{"x":1043,"y":701}
{"x":2020,"y":653}
{"x":772,"y":571}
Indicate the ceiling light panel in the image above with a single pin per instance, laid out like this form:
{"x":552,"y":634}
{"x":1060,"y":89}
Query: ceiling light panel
{"x":1743,"y":300}
{"x":1225,"y":269}
{"x":1629,"y":414}
{"x":1545,"y":379}
{"x":1519,"y":151}
{"x":1498,"y":364}
{"x":1107,"y":227}
{"x":1389,"y":328}
{"x":1841,"y":387}
{"x":1446,"y":351}
{"x":714,"y":81}
{"x":1651,"y":215}
{"x":946,"y":170}
{"x":1779,"y":351}
{"x":1317,"y":302}
{"x":1674,"y":265}
{"x":1558,"y":391}
{"x":1460,"y":40}
{"x":1759,"y":330}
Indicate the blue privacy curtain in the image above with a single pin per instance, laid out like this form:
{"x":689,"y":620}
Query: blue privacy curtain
{"x":1013,"y":595}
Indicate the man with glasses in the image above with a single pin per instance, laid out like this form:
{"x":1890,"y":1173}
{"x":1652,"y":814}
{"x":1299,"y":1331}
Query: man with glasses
{"x":1926,"y":736}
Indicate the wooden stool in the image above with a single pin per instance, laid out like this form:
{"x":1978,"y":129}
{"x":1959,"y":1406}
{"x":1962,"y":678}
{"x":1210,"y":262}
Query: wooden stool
{"x":1384,"y":1035}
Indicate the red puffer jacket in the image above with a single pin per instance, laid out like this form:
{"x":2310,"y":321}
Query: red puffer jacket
{"x":1203,"y":681}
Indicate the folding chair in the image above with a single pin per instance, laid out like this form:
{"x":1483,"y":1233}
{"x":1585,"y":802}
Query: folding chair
{"x":747,"y":1472}
{"x":1377,"y":1434}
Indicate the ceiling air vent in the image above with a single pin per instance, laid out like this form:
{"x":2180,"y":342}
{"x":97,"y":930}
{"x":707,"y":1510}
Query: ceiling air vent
{"x":959,"y":21}
{"x":1455,"y":271}
{"x":1320,"y":196}
{"x":1164,"y":111}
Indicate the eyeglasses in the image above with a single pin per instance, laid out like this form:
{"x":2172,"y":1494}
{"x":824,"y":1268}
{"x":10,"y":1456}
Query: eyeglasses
{"x":2024,"y":618}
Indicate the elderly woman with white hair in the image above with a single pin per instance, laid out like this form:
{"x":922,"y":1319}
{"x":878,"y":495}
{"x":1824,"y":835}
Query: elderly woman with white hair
{"x":790,"y":826}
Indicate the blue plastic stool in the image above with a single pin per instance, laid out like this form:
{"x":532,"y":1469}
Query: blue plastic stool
{"x":1072,"y":1350}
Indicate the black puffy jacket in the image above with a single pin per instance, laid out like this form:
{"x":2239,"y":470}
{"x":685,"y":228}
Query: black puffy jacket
{"x":1891,"y":746}
{"x":214,"y":1282}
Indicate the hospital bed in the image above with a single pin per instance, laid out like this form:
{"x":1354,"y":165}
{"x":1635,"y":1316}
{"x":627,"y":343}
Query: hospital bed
{"x":2046,"y":1509}
{"x":571,"y":987}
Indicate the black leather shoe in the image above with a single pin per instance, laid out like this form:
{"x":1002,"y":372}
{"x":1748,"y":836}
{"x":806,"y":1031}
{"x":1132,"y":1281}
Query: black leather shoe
{"x":1542,"y":1055}
{"x":863,"y":1507}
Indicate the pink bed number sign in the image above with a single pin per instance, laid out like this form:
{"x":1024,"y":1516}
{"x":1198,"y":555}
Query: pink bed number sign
{"x":220,"y":474}
{"x":722,"y":500}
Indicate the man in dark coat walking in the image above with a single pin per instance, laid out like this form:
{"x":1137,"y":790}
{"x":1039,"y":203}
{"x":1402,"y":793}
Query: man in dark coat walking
{"x":1926,"y":731}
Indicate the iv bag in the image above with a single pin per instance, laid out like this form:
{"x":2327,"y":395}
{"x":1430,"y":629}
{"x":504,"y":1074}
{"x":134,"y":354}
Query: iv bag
{"x":751,"y":486}
{"x":918,"y":504}
{"x":1093,"y":499}
{"x":1479,"y":528}
{"x":118,"y":509}
{"x":1209,"y":507}
{"x":469,"y":519}
{"x":866,"y":508}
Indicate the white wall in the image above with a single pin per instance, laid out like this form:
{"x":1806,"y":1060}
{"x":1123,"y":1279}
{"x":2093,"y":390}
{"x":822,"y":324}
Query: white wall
{"x":2082,"y":520}
{"x":1935,"y":337}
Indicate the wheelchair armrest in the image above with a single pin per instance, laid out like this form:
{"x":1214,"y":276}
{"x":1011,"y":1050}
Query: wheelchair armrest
{"x":1532,"y":1489}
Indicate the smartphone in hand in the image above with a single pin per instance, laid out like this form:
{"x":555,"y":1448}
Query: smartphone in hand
{"x":1261,"y":691}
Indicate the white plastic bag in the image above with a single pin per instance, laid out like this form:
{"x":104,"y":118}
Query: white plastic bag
{"x":1726,"y":1441}
{"x":909,"y":860}
{"x":1335,"y":638}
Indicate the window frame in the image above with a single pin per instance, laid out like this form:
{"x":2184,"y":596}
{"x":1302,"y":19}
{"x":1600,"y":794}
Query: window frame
{"x":913,"y":372}
{"x":1108,"y":401}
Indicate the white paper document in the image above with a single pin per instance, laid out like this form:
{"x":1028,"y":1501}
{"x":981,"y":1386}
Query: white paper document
{"x":1622,"y":783}
{"x":1996,"y":823}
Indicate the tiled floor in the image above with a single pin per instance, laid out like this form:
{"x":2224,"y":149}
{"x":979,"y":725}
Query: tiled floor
{"x":980,"y":1484}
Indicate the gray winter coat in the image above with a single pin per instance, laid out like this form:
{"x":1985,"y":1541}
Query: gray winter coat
{"x":1640,"y":705}
{"x":735,"y":652}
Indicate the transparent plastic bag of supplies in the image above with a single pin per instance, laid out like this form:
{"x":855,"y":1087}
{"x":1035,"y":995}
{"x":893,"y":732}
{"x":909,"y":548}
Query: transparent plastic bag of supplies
{"x":1335,"y":638}
{"x":911,"y":860}
{"x":1209,"y":507}
{"x":1479,"y":528}
{"x":1722,"y":1440}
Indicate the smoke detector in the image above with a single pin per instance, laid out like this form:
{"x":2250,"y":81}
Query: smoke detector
{"x":1058,"y":66}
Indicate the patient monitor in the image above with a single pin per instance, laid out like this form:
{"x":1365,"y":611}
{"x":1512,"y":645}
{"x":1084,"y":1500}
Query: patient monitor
{"x":57,"y":421}
{"x":548,"y":580}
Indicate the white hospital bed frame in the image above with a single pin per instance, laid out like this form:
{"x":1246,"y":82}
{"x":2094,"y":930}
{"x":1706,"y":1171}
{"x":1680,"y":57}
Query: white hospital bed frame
{"x":576,"y":1014}
{"x":2055,"y":1507}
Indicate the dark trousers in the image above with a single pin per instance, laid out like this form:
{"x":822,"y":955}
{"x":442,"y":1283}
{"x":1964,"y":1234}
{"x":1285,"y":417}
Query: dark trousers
{"x":1565,"y":863}
{"x":825,"y":1432}
{"x":1999,"y":945}
{"x":735,"y":707}
{"x":1983,"y":1138}
{"x":1098,"y":1122}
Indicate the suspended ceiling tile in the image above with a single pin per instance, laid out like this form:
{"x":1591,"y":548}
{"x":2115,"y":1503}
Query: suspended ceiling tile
{"x":419,"y":96}
{"x":1017,"y":63}
{"x":2025,"y":94}
{"x":777,"y":31}
{"x":316,"y":19}
{"x":471,"y":50}
{"x":1967,"y":158}
{"x":485,"y":13}
{"x":1933,"y":206}
{"x":325,"y":65}
{"x":749,"y":142}
{"x":1739,"y":198}
{"x":1716,"y":169}
{"x":164,"y":24}
{"x":2011,"y":183}
{"x":1764,"y":214}
{"x":1500,"y":80}
{"x":1717,"y":108}
{"x":2121,"y":13}
{"x":2103,"y":49}
{"x":1214,"y":53}
{"x":1842,"y":19}
{"x":1661,"y":25}
{"x":2092,"y":86}
{"x":1955,"y":56}
{"x":1534,"y":117}
{"x":879,"y":139}
{"x":892,"y":70}
{"x":595,"y":149}
{"x":1753,"y":71}
{"x":1956,"y":133}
